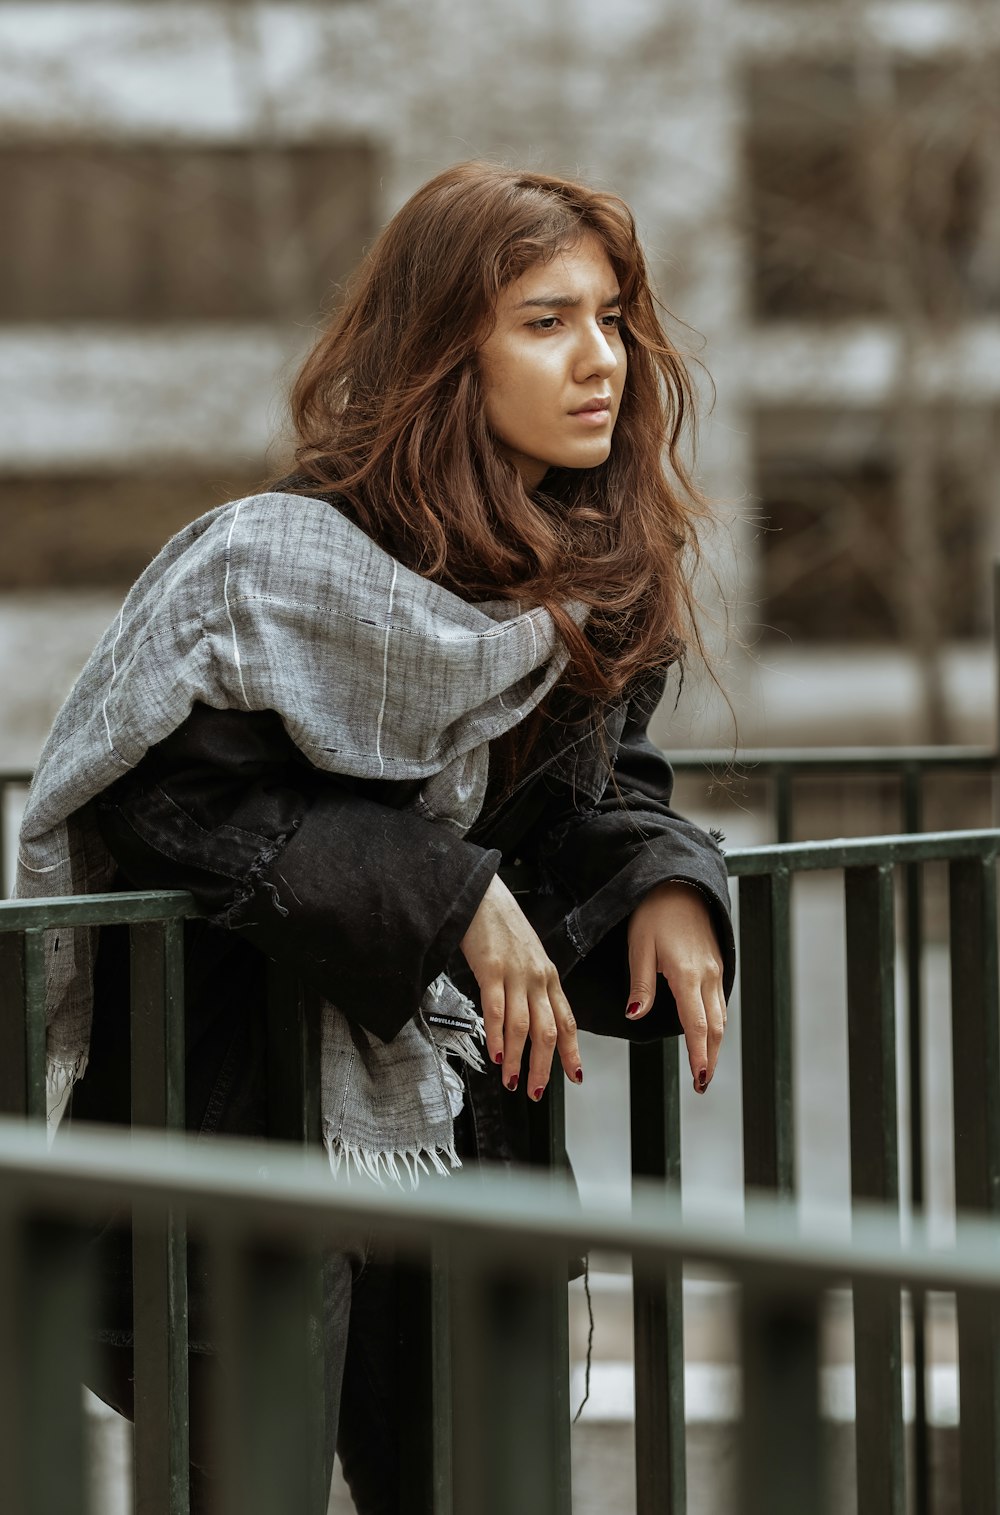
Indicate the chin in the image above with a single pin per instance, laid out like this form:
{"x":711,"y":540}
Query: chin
{"x":592,"y":459}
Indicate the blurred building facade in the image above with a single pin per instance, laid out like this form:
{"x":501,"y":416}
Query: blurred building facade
{"x":185,"y":185}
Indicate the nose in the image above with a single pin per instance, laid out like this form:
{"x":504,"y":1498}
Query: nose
{"x":596,"y":358}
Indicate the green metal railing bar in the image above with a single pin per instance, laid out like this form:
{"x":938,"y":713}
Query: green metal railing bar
{"x":871,"y":1021}
{"x":861,"y":852}
{"x":766,"y":998}
{"x":764,"y":880}
{"x":22,"y":1037}
{"x":781,"y":1449}
{"x":131,"y":909}
{"x":230,"y":1187}
{"x":975,"y":991}
{"x":157,"y":1062}
{"x":47,"y":1292}
{"x":657,"y":1293}
{"x":780,"y":769}
{"x":502,"y":1236}
{"x":159,"y":1243}
{"x":822,"y":761}
{"x":548,"y":1340}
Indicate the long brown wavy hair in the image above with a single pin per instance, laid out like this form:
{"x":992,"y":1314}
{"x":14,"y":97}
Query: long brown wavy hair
{"x":389,"y":415}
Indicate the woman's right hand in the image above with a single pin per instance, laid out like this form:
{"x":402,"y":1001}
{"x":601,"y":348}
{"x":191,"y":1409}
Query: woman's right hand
{"x":521,"y":993}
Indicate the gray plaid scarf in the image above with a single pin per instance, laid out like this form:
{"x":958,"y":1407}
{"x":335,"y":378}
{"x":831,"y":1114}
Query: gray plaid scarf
{"x":278,"y":602}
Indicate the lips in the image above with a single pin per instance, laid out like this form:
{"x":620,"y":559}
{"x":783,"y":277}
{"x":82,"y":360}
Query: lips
{"x":601,"y":403}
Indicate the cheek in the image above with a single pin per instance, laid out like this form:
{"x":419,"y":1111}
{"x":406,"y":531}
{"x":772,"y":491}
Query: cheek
{"x":513,"y":394}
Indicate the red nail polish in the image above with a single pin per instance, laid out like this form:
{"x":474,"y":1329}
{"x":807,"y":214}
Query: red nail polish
{"x":498,"y":1058}
{"x":702,"y":1078}
{"x":512,"y":1082}
{"x":578,"y":1075}
{"x":538,"y":1094}
{"x":634,"y":1008}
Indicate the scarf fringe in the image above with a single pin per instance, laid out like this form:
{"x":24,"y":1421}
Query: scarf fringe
{"x":59,"y":1080}
{"x":379,"y":1165}
{"x":465,"y":1045}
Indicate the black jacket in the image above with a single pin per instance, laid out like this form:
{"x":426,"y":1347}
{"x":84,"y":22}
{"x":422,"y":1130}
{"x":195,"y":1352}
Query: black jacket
{"x":370,"y":901}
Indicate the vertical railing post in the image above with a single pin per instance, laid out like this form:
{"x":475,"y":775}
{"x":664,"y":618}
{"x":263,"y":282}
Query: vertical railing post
{"x":425,"y":1376}
{"x":976,"y":1079}
{"x":159,"y":1242}
{"x":658,"y":1296}
{"x":913,"y":879}
{"x":766,"y":1031}
{"x":871,"y":1026}
{"x":273,"y":1356}
{"x":547,"y":1149}
{"x":22,"y":1026}
{"x":503,"y":1406}
{"x":781,"y":1449}
{"x":294,"y":1100}
{"x":45,"y":1304}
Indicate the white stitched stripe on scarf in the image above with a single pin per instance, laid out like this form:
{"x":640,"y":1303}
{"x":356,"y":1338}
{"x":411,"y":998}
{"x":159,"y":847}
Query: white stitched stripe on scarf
{"x":114,"y":675}
{"x":229,"y":613}
{"x":385,"y":670}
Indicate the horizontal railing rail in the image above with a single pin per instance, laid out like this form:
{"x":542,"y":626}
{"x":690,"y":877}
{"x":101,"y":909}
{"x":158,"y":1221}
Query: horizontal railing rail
{"x":261,"y":1210}
{"x":781,"y":769}
{"x":236,"y":1185}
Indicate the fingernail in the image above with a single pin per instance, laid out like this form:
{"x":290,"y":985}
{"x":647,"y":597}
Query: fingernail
{"x":498,"y":1058}
{"x":702,"y":1078}
{"x":512,"y":1082}
{"x":634,"y":1008}
{"x":538,"y":1094}
{"x":578,"y":1075}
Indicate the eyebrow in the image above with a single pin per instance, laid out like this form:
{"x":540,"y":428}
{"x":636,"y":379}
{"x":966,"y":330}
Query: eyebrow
{"x":565,"y":302}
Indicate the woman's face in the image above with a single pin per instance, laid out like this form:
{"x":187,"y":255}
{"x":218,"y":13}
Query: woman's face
{"x":553,"y":367}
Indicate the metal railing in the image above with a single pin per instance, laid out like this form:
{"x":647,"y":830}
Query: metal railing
{"x":537,"y":1354}
{"x":868,"y":866}
{"x":264,"y":1212}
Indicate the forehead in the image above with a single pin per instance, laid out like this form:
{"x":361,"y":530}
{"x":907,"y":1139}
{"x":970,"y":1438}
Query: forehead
{"x":581,"y":270}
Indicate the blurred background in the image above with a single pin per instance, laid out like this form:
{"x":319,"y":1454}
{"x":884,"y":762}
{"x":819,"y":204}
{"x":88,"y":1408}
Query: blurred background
{"x":185,"y":185}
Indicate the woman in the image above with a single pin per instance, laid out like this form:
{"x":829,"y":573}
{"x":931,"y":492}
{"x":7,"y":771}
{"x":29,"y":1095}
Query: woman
{"x":334,"y":710}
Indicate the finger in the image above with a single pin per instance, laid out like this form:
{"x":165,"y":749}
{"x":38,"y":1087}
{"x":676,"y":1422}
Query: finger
{"x":515,"y":1034}
{"x":715,"y":1010}
{"x":693,"y":1018}
{"x":568,"y":1041}
{"x":493,"y":1000}
{"x":544,"y":1037}
{"x":642,"y":976}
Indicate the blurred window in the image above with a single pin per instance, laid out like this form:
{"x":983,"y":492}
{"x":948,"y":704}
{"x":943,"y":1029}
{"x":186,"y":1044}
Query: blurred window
{"x":100,"y":530}
{"x":832,"y":548}
{"x":857,"y":210}
{"x":120,"y":232}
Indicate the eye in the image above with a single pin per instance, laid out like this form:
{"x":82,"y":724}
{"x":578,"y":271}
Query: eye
{"x":545,"y":323}
{"x":612,"y":321}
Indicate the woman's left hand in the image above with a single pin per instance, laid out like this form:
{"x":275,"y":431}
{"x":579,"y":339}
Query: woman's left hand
{"x":671,"y":933}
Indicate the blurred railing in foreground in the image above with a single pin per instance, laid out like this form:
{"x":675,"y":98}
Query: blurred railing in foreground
{"x":264,"y":1213}
{"x":507,"y":1444}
